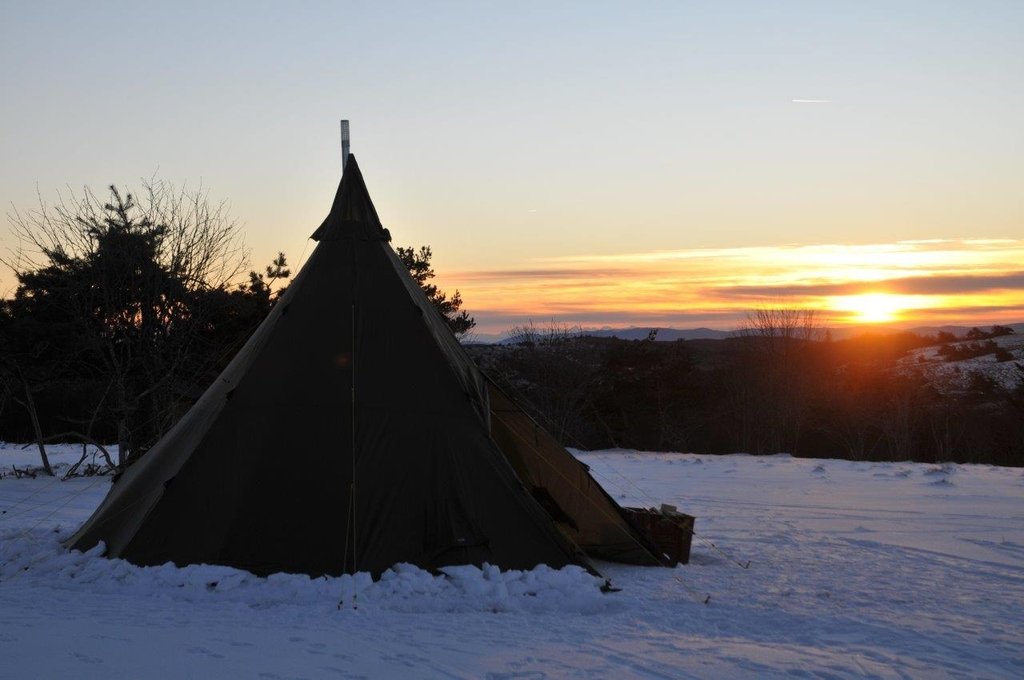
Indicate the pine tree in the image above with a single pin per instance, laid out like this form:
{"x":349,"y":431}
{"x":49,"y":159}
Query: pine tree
{"x":418,"y":264}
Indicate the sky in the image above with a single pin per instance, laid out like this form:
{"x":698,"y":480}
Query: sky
{"x":589,"y":163}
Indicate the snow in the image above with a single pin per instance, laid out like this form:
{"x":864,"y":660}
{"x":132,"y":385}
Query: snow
{"x":958,"y":375}
{"x":856,"y":570}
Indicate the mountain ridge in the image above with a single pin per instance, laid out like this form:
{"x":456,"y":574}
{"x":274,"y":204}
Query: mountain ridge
{"x":669,"y":334}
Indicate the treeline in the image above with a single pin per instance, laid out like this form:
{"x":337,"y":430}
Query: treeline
{"x":782,"y":385}
{"x":124,"y":311}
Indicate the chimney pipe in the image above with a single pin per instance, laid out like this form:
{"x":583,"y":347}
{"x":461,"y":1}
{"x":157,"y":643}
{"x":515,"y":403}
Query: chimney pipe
{"x":345,"y":143}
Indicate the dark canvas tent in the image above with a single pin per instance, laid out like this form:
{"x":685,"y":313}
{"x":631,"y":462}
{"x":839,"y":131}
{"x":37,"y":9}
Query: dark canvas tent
{"x":583,"y":511}
{"x":351,"y":432}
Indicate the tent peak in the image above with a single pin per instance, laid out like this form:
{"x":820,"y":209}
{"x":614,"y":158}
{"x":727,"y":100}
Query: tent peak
{"x":352,"y":214}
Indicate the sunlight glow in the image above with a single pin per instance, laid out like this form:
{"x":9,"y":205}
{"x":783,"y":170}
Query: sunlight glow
{"x":871,"y":307}
{"x":975,"y":281}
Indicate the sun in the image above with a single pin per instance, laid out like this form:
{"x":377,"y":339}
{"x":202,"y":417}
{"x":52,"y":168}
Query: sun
{"x":871,"y":307}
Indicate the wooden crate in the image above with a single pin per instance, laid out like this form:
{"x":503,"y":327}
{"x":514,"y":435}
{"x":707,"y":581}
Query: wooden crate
{"x":669,"y":530}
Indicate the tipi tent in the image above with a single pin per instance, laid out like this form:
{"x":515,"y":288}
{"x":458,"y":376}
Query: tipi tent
{"x":584,"y":511}
{"x":350,"y":433}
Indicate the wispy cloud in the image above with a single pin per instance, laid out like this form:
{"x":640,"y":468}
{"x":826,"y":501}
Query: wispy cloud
{"x":720,"y":284}
{"x":918,"y":285}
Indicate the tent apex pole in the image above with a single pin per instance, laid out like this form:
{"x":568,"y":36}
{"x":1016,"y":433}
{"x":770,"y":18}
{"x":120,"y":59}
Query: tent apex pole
{"x":346,"y":141}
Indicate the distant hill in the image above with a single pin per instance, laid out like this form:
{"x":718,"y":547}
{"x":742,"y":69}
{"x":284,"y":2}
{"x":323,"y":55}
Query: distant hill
{"x":673,"y":334}
{"x":630,"y":333}
{"x":664,"y":334}
{"x":960,"y":331}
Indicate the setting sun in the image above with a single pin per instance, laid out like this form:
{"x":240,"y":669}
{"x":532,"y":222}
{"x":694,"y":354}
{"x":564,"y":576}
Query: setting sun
{"x":903,"y":283}
{"x":872,"y":307}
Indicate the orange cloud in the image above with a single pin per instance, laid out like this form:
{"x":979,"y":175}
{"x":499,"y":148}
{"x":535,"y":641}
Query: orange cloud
{"x":974,"y":280}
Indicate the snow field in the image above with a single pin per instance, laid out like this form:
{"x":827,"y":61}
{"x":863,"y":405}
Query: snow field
{"x":856,"y":570}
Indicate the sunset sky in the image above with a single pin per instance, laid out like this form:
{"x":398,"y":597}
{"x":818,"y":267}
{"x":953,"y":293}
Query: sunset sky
{"x":592,"y":163}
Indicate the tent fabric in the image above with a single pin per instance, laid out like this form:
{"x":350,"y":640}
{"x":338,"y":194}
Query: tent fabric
{"x":343,"y":437}
{"x":352,"y":432}
{"x":582,"y":510}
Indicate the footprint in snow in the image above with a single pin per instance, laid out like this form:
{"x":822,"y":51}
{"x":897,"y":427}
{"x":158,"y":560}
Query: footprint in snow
{"x":85,"y":658}
{"x":99,"y":636}
{"x":902,"y":474}
{"x":409,"y":660}
{"x":205,"y":652}
{"x":705,"y":559}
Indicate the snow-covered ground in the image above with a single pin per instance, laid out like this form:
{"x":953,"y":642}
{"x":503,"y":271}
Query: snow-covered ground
{"x":958,"y":375}
{"x":886,"y":570}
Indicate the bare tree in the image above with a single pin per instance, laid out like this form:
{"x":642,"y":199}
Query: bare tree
{"x":782,"y":325}
{"x":132,"y":279}
{"x":553,"y":371}
{"x":199,"y":241}
{"x":776,"y":377}
{"x":10,"y":372}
